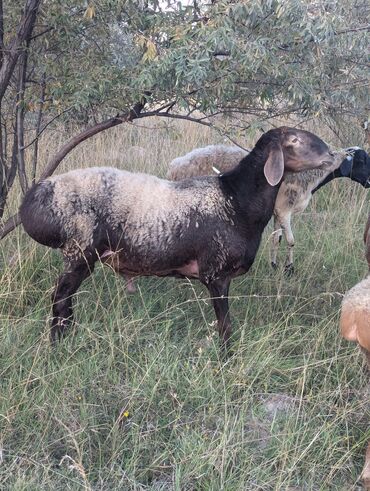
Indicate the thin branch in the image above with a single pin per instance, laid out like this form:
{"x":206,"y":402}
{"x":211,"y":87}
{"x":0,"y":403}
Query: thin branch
{"x":355,"y":29}
{"x":1,"y":32}
{"x":13,"y":51}
{"x":20,"y":113}
{"x":2,"y":159}
{"x":171,"y":106}
{"x":46,"y":126}
{"x":41,"y":33}
{"x":38,"y":125}
{"x":134,"y":113}
{"x":11,"y":172}
{"x":175,"y":116}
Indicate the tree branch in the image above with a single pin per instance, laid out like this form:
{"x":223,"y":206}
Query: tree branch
{"x":355,"y":29}
{"x":41,"y":33}
{"x":176,"y":116}
{"x":38,"y":126}
{"x":46,"y":125}
{"x":134,"y":113}
{"x":88,"y":133}
{"x":1,"y":32}
{"x":20,"y":114}
{"x":11,"y":53}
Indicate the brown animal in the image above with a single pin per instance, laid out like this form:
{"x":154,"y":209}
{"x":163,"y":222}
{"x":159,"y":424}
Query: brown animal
{"x":355,"y":326}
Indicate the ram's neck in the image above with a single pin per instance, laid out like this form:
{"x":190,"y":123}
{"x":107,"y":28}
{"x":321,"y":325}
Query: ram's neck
{"x":246,"y":186}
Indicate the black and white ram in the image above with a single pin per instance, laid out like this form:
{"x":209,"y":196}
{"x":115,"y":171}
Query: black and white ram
{"x":208,"y":228}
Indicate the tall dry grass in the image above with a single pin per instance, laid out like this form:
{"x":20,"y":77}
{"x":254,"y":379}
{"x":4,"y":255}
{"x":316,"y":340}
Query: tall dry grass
{"x":137,"y":397}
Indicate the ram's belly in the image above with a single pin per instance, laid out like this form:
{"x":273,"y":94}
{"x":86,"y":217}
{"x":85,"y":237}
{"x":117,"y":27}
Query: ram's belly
{"x":122,"y":264}
{"x":189,"y":254}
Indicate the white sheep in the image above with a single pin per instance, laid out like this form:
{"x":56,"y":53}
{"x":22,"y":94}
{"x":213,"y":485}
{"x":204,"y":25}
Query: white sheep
{"x":205,"y":161}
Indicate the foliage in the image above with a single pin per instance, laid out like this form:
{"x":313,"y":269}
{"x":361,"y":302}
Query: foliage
{"x":257,"y":57}
{"x":248,"y":60}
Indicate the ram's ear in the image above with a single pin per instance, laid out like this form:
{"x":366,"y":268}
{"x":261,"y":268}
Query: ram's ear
{"x":274,"y":166}
{"x":346,"y":166}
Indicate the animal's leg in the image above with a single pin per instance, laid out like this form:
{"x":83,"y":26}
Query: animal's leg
{"x":287,"y":229}
{"x":130,"y":284}
{"x":219,"y":291}
{"x":67,"y":284}
{"x":276,"y":239}
{"x":366,"y":470}
{"x":366,"y":354}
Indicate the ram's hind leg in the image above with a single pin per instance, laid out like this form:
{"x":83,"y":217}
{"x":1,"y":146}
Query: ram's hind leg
{"x":75,"y":272}
{"x":130,"y":284}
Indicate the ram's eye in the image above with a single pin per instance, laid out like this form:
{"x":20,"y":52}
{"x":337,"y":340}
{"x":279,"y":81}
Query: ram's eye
{"x":294,"y":140}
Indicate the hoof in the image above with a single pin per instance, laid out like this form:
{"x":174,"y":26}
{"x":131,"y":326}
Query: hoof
{"x":226,"y":352}
{"x":289,"y":270}
{"x":274,"y":265}
{"x":56,"y":335}
{"x":59,"y":328}
{"x":130,"y":287}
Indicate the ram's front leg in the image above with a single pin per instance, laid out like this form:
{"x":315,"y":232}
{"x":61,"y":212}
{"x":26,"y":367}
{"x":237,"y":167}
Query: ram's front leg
{"x":219,"y":291}
{"x":130,"y":284}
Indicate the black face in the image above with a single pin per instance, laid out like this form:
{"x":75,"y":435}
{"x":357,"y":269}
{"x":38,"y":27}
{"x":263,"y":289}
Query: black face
{"x":360,"y":171}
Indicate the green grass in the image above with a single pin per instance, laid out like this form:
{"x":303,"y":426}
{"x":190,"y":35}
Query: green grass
{"x":138,"y":398}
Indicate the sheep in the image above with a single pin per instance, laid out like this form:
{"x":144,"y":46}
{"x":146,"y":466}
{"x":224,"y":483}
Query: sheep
{"x":295,"y":191}
{"x":206,"y":228}
{"x":355,"y":312}
{"x":355,"y":316}
{"x":205,"y":161}
{"x":354,"y":325}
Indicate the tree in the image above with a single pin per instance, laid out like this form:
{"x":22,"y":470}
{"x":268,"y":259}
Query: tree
{"x":106,"y":62}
